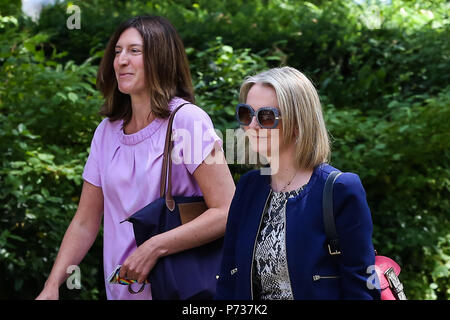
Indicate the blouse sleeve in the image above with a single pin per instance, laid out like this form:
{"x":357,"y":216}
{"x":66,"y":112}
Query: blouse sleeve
{"x":354,"y":227}
{"x":91,"y":172}
{"x":194,"y":137}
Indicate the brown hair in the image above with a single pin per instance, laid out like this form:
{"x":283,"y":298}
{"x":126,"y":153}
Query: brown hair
{"x":166,"y":69}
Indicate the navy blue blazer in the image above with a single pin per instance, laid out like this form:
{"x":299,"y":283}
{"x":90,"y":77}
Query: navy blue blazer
{"x":314,"y":273}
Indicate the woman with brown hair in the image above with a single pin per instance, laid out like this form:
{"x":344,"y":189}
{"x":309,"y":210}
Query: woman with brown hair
{"x":144,"y":75}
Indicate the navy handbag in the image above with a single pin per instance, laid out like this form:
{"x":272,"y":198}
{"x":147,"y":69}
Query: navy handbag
{"x":190,"y":274}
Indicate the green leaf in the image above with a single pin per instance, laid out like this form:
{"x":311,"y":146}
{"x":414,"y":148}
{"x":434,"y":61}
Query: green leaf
{"x":45,"y":192}
{"x":72,"y":96}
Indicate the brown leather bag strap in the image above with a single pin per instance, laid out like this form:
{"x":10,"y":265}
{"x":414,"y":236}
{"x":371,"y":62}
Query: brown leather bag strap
{"x":166,"y":171}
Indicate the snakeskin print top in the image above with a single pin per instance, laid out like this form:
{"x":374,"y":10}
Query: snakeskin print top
{"x":270,"y":275}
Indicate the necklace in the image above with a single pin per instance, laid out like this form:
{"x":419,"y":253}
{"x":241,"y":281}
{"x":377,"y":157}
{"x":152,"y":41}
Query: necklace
{"x":290,"y":181}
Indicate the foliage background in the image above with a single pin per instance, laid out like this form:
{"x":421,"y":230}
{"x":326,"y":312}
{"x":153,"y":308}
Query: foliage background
{"x":381,"y":67}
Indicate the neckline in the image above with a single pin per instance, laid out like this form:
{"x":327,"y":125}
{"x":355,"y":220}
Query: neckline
{"x":141,"y":135}
{"x":149,"y":130}
{"x":288,"y":193}
{"x":306,"y":187}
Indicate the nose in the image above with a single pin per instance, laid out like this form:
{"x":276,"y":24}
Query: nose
{"x":254,"y":123}
{"x":123,"y":58}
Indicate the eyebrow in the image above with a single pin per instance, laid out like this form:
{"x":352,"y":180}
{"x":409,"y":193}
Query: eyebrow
{"x":130,"y":45}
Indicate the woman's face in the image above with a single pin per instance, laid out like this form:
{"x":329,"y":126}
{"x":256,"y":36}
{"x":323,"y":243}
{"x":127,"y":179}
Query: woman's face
{"x":263,"y":141}
{"x":129,"y":63}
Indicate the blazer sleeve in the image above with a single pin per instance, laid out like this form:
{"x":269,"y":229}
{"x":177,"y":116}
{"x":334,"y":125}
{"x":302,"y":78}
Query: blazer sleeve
{"x":354,"y":227}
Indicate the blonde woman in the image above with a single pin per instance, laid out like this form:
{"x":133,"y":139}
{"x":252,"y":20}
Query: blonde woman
{"x":275,"y":243}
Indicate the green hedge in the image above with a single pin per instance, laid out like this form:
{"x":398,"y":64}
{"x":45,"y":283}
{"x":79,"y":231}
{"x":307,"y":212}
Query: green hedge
{"x":383,"y":84}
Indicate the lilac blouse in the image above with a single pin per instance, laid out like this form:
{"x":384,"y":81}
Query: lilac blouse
{"x":128,"y":169}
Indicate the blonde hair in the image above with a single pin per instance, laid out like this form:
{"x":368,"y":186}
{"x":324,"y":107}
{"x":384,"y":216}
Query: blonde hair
{"x":301,"y":113}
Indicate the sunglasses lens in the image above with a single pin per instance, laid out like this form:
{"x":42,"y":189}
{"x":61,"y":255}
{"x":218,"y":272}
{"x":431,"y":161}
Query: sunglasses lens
{"x":244,"y":115}
{"x":266,"y":118}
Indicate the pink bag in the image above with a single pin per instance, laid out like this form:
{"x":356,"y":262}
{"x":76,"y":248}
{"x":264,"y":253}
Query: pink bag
{"x":387,"y":271}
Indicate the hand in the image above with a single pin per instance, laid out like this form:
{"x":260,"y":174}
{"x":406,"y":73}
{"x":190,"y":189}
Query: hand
{"x":139,"y":264}
{"x":49,"y":293}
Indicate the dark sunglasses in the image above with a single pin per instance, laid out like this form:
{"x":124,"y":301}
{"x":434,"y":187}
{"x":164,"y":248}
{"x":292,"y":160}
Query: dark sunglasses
{"x":267,"y":117}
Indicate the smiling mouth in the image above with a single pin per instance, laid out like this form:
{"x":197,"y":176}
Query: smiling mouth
{"x":125,"y":74}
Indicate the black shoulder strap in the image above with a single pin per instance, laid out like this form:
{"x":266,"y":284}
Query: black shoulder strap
{"x":328,"y":215}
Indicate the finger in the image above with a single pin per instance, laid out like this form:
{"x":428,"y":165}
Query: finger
{"x":123,"y":272}
{"x":132,"y":273}
{"x":142,"y":278}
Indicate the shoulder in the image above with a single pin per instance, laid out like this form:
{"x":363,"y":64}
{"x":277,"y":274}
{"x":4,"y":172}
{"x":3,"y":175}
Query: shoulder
{"x":348,"y":190}
{"x":345,"y":181}
{"x":188,"y":114}
{"x":253,"y":176}
{"x":350,"y":206}
{"x":251,"y":182}
{"x":101,"y":126}
{"x":348,"y":196}
{"x":106,"y":129}
{"x":191,"y":111}
{"x":349,"y":184}
{"x":107,"y":125}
